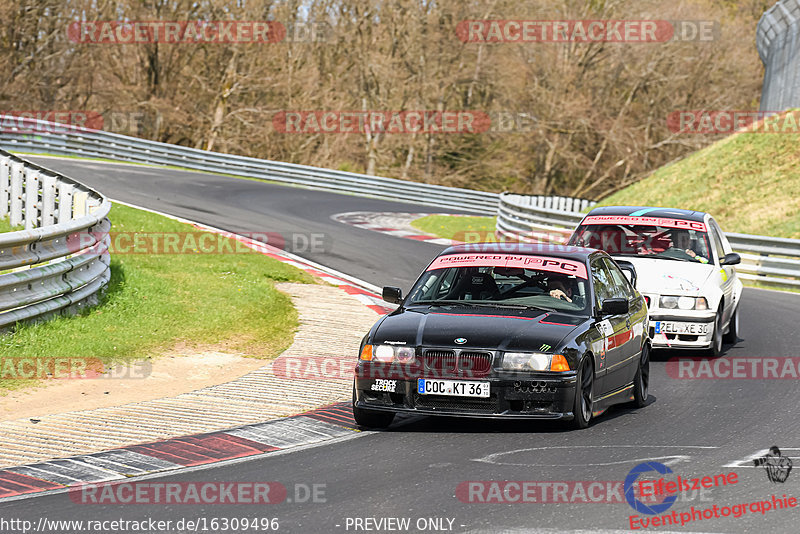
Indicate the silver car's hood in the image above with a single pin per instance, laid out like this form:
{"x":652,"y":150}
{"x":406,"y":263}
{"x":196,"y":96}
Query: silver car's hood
{"x":661,"y":276}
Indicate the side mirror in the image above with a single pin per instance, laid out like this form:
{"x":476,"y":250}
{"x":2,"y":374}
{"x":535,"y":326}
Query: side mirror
{"x":614,"y":307}
{"x":628,"y":270}
{"x":731,"y":259}
{"x":392,"y":294}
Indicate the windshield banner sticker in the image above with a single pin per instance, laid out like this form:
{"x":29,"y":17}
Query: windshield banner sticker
{"x":541,"y":263}
{"x":648,"y":221}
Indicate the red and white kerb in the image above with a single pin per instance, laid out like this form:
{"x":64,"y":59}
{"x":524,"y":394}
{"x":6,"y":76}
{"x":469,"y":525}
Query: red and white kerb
{"x":540,"y":263}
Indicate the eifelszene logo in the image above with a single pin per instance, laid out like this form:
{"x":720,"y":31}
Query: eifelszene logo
{"x":630,"y":485}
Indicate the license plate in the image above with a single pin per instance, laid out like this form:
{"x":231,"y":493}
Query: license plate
{"x":671,"y":327}
{"x":454,"y":388}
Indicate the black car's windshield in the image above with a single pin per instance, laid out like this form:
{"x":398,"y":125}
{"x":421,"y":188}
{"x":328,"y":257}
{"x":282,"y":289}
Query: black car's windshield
{"x":503,"y":287}
{"x":663,"y":242}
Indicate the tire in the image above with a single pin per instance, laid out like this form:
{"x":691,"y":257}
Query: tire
{"x":584,"y":396}
{"x":716,"y":343}
{"x":641,"y":382}
{"x":370,"y":418}
{"x":733,"y":328}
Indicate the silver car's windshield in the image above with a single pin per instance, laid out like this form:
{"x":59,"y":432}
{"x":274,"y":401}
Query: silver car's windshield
{"x":661,"y":242}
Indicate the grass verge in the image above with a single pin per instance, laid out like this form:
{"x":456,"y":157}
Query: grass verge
{"x":469,"y":229}
{"x":5,"y":226}
{"x":155,"y":301}
{"x":749,"y":182}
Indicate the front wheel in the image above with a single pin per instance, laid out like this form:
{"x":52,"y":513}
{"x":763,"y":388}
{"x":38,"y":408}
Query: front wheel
{"x":733,"y":328}
{"x":584,"y":395}
{"x":641,"y":381}
{"x":716,"y":342}
{"x":370,"y":418}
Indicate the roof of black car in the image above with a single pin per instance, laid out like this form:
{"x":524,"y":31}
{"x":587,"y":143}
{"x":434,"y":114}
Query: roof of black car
{"x":544,"y":249}
{"x":643,"y":211}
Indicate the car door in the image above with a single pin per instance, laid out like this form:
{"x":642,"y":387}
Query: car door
{"x":609,"y":326}
{"x":629,"y":340}
{"x":726,"y":274}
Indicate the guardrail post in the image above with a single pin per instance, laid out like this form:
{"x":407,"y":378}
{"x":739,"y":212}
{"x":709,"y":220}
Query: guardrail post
{"x":48,"y":200}
{"x":65,"y":202}
{"x":15,"y":217}
{"x":5,"y":187}
{"x":79,"y":208}
{"x":31,"y":199}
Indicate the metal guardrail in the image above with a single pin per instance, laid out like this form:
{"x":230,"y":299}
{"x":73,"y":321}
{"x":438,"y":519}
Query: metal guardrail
{"x":778,"y":40}
{"x":39,"y":136}
{"x":51,"y":267}
{"x":769,"y":260}
{"x":764,"y":259}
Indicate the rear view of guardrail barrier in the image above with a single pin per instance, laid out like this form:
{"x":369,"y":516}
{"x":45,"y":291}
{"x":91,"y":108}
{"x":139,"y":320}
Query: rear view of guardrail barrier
{"x":769,"y":260}
{"x":60,"y":261}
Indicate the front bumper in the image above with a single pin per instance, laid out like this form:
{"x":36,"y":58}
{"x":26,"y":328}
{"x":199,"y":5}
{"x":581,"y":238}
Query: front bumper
{"x":532,"y":396}
{"x":682,"y":341}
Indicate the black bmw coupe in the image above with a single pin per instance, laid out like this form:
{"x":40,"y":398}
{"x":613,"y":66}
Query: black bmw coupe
{"x":504,"y":330}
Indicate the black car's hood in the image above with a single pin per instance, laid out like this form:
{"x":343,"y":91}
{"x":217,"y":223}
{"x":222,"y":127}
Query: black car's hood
{"x":512,"y":330}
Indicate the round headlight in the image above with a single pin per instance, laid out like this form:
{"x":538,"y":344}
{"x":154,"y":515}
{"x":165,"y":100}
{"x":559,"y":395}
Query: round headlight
{"x":514,"y":360}
{"x":669,"y":302}
{"x":526,"y":361}
{"x":404,"y":354}
{"x":686,"y":303}
{"x":383,"y":353}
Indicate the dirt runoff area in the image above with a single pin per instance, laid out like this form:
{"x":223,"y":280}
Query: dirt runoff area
{"x":180,"y":371}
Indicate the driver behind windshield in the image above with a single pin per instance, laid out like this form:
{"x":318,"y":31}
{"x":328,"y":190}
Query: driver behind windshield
{"x":566,"y":288}
{"x":681,"y":240}
{"x":560,"y":288}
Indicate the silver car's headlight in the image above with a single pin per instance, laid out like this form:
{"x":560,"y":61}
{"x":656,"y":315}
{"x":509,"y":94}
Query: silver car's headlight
{"x":526,"y":361}
{"x":672,"y":302}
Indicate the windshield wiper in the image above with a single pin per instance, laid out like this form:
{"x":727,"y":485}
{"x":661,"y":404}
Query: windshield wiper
{"x":673,"y":259}
{"x":468,"y":303}
{"x":444,"y":303}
